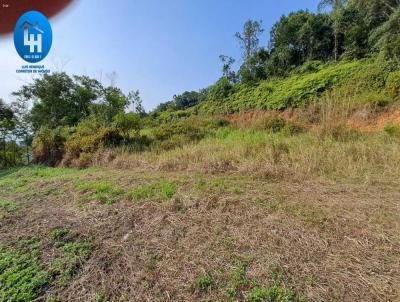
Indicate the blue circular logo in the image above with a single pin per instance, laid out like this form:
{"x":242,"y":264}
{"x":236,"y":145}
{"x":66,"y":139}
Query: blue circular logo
{"x":33,"y":36}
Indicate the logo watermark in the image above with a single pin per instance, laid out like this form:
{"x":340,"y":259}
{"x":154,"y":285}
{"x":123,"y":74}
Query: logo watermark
{"x":32,"y":39}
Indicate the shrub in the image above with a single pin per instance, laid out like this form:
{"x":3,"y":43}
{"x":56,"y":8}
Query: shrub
{"x":48,"y":146}
{"x":273,"y":124}
{"x":220,"y":90}
{"x":126,"y":122}
{"x":81,"y":145}
{"x":172,"y":135}
{"x":393,"y":84}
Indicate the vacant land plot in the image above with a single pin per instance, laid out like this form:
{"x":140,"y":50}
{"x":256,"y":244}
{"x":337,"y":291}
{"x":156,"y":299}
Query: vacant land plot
{"x":106,"y":234}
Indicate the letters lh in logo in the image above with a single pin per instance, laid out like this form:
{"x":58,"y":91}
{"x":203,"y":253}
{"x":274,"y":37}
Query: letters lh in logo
{"x":33,"y":36}
{"x":29,"y":39}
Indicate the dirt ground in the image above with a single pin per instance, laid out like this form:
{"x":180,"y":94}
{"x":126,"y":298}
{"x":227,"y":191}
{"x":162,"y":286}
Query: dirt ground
{"x":322,"y":240}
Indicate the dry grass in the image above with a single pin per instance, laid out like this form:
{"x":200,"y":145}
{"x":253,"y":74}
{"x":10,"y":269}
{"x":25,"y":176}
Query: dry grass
{"x":320,"y":239}
{"x":315,"y":213}
{"x":345,"y":156}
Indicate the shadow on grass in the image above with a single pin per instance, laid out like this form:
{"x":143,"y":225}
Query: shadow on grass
{"x":9,"y":171}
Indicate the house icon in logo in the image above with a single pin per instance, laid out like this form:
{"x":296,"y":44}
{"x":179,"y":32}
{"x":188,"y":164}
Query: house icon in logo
{"x":29,"y":39}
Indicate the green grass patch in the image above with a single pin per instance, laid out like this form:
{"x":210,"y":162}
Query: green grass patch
{"x":101,"y":191}
{"x":238,"y":280}
{"x":392,"y":130}
{"x":273,"y":294}
{"x":21,"y":276}
{"x":19,"y":180}
{"x":167,"y":190}
{"x":162,"y":189}
{"x":142,"y":192}
{"x":8,"y":206}
{"x":203,"y":283}
{"x":73,"y":253}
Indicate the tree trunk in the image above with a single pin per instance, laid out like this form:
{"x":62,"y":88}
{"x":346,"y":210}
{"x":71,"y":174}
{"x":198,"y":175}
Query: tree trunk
{"x":336,"y":51}
{"x":27,"y":152}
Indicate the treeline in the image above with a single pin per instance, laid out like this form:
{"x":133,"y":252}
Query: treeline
{"x":60,"y":104}
{"x":342,"y":30}
{"x":61,"y":118}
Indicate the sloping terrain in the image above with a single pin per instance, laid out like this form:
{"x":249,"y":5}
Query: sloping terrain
{"x":107,"y":234}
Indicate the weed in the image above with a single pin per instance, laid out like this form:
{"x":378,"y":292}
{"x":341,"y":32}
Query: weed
{"x":229,"y":242}
{"x":273,"y":294}
{"x":151,"y":263}
{"x":142,"y":192}
{"x":203,"y":283}
{"x":237,"y":191}
{"x":392,"y":130}
{"x":51,"y":298}
{"x":30,"y":243}
{"x":202,"y":185}
{"x":8,"y":206}
{"x":74,"y":253}
{"x":162,"y":189}
{"x":100,"y":297}
{"x":21,"y":276}
{"x":101,"y":191}
{"x":238,"y":280}
{"x":167,"y":190}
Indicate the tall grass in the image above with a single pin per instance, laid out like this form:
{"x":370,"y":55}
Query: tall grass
{"x":366,"y":158}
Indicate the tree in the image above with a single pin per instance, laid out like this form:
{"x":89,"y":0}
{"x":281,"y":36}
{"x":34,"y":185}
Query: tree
{"x":253,"y":70}
{"x":111,"y":102}
{"x":386,"y":37}
{"x":182,"y":101}
{"x":126,"y":122}
{"x":136,"y":102}
{"x":299,"y":37}
{"x":249,"y":38}
{"x":58,"y":100}
{"x":220,"y":90}
{"x":7,"y":124}
{"x":227,"y":71}
{"x":23,"y":126}
{"x":336,"y":15}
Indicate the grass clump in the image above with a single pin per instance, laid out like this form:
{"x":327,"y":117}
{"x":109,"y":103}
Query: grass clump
{"x":8,"y":206}
{"x":273,"y":294}
{"x":167,"y":190}
{"x":163,"y":189}
{"x":142,"y":192}
{"x":238,"y":280}
{"x":104,"y":192}
{"x":21,"y":276}
{"x":204,"y":283}
{"x":392,"y":130}
{"x":73,"y":253}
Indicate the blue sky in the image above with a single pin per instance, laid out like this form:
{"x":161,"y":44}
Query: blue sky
{"x":160,"y":47}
